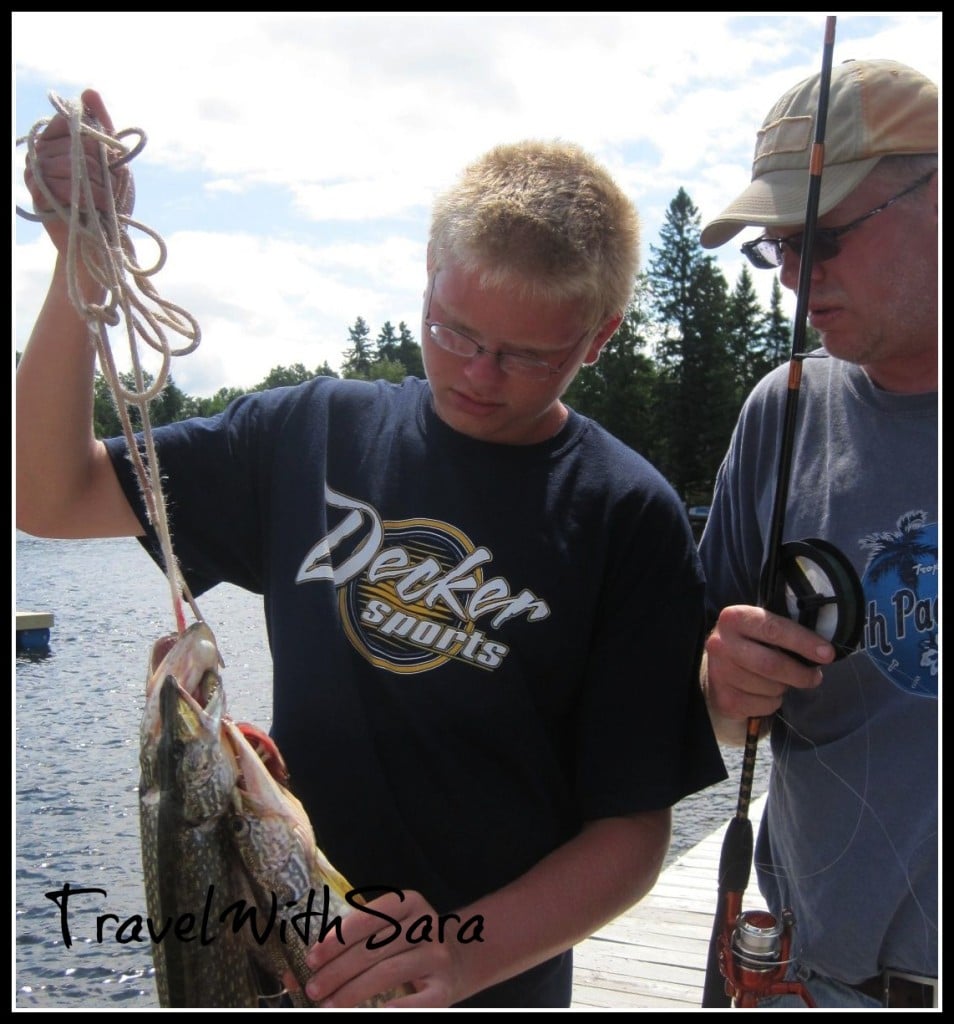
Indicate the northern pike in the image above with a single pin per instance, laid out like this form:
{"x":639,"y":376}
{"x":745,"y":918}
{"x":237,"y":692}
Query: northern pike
{"x":186,"y":783}
{"x":287,"y":870}
{"x":226,"y":846}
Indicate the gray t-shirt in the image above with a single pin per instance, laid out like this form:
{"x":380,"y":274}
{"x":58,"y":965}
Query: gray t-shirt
{"x":849,"y":837}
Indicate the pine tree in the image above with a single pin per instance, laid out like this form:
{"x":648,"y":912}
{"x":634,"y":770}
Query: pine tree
{"x":409,"y":352}
{"x":358,"y":358}
{"x":778,"y":329}
{"x":617,"y":390}
{"x":710,"y":396}
{"x":747,"y":339}
{"x":695,"y":398}
{"x":387,"y":343}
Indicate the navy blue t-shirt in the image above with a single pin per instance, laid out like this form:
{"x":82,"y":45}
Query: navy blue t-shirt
{"x":476,"y":647}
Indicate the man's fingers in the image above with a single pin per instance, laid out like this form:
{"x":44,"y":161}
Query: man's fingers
{"x":776,"y":631}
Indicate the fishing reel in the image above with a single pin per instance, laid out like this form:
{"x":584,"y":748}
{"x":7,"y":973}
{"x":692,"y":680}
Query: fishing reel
{"x":816,"y":586}
{"x":754,"y":956}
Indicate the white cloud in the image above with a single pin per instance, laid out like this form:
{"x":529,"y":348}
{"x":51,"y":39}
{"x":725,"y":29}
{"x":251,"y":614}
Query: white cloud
{"x":292,"y":158}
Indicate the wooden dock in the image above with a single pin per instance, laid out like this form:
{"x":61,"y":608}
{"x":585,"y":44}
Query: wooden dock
{"x":654,"y":956}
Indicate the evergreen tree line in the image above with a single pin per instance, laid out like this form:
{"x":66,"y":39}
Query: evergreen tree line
{"x":670,"y":382}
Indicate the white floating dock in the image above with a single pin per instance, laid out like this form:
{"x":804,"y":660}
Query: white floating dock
{"x":33,"y":630}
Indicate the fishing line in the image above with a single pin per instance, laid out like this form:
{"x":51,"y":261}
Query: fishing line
{"x":778,"y":765}
{"x":100,"y":239}
{"x":860,"y":792}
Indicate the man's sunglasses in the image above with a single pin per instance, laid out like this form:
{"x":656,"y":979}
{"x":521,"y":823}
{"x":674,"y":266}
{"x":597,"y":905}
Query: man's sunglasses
{"x":767,"y":253}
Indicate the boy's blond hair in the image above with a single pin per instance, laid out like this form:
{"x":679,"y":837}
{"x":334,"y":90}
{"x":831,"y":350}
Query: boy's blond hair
{"x":544,"y":217}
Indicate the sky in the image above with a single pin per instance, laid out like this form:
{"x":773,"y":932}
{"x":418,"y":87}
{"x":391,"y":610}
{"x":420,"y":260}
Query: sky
{"x":291,"y":159}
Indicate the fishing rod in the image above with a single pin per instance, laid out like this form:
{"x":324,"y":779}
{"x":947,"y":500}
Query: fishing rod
{"x":813,"y":583}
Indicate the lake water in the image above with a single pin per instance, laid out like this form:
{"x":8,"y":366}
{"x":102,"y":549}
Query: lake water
{"x":77,"y":709}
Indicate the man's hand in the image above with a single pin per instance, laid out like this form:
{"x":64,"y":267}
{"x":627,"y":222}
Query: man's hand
{"x":746,"y":669}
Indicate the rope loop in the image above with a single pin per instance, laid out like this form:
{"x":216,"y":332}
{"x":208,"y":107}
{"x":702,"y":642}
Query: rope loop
{"x":104,"y":245}
{"x":99,"y":239}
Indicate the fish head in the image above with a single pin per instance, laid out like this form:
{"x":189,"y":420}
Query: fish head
{"x":184,"y":709}
{"x":193,"y":761}
{"x":268,"y":752}
{"x":271,"y":831}
{"x":191,"y":657}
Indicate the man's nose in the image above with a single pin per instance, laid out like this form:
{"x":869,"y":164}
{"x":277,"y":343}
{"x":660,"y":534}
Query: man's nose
{"x":790,"y":270}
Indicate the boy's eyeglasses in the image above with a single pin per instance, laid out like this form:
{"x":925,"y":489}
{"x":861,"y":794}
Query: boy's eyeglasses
{"x":514,"y":363}
{"x":767,"y":253}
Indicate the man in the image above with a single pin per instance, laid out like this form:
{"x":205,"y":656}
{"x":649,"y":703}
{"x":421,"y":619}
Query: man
{"x":485,"y":613}
{"x":848,"y":840}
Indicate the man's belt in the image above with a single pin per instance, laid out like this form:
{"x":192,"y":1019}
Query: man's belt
{"x":901,"y":989}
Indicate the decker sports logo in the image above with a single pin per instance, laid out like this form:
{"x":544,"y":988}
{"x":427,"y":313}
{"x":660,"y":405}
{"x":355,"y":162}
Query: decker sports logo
{"x":414,"y":593}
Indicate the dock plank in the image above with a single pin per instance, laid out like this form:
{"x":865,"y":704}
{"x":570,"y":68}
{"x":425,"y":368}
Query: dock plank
{"x":654,"y":955}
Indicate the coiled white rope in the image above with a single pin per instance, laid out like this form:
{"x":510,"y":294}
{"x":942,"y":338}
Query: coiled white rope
{"x":101,"y":240}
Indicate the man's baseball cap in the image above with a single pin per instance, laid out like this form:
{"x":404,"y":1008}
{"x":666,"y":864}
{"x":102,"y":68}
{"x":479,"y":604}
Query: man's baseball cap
{"x":876,"y":108}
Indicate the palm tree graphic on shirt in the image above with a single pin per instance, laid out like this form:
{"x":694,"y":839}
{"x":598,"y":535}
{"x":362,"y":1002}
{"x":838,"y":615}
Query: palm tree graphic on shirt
{"x":901,"y":589}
